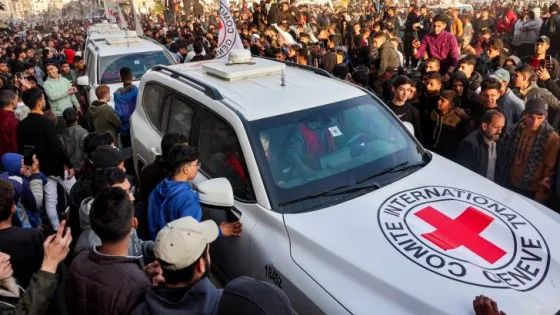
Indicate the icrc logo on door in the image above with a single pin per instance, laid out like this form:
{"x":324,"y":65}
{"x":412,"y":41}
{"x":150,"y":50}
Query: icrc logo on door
{"x":466,"y":237}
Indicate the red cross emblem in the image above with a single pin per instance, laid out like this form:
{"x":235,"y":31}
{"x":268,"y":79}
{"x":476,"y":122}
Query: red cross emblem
{"x":463,"y":231}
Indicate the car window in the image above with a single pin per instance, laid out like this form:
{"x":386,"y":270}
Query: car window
{"x":180,"y":117}
{"x":220,"y":154}
{"x":336,"y":145}
{"x":139,"y":63}
{"x":153,"y":99}
{"x":91,"y":65}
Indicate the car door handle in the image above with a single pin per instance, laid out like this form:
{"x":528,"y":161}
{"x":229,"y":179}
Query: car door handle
{"x":233,"y":215}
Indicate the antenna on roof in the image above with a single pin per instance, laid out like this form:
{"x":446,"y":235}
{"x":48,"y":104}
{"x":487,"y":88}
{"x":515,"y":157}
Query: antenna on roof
{"x":283,"y":76}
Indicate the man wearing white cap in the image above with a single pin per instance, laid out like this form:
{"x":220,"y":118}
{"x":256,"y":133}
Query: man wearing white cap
{"x":182,"y":249}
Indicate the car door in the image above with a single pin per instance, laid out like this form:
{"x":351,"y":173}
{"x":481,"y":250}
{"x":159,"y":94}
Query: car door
{"x":91,"y":68}
{"x":147,"y":129}
{"x":220,"y":155}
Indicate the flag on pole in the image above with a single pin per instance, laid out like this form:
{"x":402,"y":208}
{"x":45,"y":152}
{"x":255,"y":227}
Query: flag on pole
{"x":228,"y":38}
{"x":122,"y":22}
{"x":137,"y":24}
{"x":108,"y":12}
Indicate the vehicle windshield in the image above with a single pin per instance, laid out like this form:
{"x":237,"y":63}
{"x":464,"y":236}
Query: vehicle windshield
{"x":344,"y":144}
{"x":139,"y":63}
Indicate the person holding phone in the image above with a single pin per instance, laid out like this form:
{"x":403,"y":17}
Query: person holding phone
{"x":27,"y":181}
{"x":439,"y":44}
{"x":39,"y":132}
{"x":541,"y":59}
{"x":43,"y":283}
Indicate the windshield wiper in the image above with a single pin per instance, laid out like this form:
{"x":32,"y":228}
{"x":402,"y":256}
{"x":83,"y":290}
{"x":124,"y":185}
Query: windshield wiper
{"x":397,"y":168}
{"x":331,"y":192}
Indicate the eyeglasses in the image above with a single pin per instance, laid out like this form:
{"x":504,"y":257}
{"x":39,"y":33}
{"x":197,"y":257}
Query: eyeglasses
{"x":197,"y":164}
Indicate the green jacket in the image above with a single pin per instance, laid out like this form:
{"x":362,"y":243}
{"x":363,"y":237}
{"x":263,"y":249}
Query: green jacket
{"x":57,"y":93}
{"x":34,"y":301}
{"x":102,"y":118}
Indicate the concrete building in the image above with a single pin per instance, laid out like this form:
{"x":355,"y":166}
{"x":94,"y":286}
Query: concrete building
{"x":40,"y":6}
{"x":18,"y":9}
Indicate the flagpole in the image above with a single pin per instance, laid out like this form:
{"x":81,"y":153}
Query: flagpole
{"x":106,"y":10}
{"x":137,"y":23}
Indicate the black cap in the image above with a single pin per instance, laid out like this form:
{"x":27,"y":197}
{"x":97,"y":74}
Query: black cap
{"x":109,"y":156}
{"x":536,"y":106}
{"x":247,"y":296}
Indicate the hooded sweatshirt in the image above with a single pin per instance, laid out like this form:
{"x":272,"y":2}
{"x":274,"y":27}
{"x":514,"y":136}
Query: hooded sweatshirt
{"x":28,"y":190}
{"x":513,"y":58}
{"x":529,"y":31}
{"x":125,"y":104}
{"x":57,"y":93}
{"x":88,"y":239}
{"x":505,"y":26}
{"x":475,"y":81}
{"x":73,"y":140}
{"x":170,"y":201}
{"x":102,"y":118}
{"x":202,"y":298}
{"x":470,"y":101}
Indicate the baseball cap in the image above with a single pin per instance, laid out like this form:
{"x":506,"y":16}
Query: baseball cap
{"x":109,"y":156}
{"x":544,"y":38}
{"x":247,"y":296}
{"x":501,"y":75}
{"x":536,"y":106}
{"x":181,"y":242}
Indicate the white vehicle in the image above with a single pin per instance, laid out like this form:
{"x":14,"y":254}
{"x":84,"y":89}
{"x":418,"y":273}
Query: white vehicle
{"x":462,"y":7}
{"x":106,"y":53}
{"x":341,"y":207}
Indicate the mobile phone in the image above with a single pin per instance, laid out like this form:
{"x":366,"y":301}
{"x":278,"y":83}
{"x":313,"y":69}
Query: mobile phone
{"x":28,"y":152}
{"x":66,"y":217}
{"x":415,"y":35}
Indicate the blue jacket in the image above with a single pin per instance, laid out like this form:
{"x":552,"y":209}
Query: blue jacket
{"x":170,"y":201}
{"x":125,"y":104}
{"x":24,"y":189}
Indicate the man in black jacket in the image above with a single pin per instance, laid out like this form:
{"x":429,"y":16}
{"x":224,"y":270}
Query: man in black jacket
{"x":400,"y":106}
{"x":37,"y":134}
{"x":478,"y":151}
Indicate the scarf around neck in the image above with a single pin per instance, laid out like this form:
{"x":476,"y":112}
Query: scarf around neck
{"x":536,"y":154}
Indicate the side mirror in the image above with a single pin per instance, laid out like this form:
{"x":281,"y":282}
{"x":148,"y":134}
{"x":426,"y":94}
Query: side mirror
{"x":216,"y":192}
{"x":409,"y":127}
{"x":83,"y":80}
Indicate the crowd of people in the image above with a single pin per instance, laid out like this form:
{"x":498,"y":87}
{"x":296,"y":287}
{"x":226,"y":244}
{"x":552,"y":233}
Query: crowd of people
{"x":479,"y":88}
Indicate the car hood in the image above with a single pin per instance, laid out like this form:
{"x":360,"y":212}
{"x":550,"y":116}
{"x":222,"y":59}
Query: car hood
{"x":429,"y":243}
